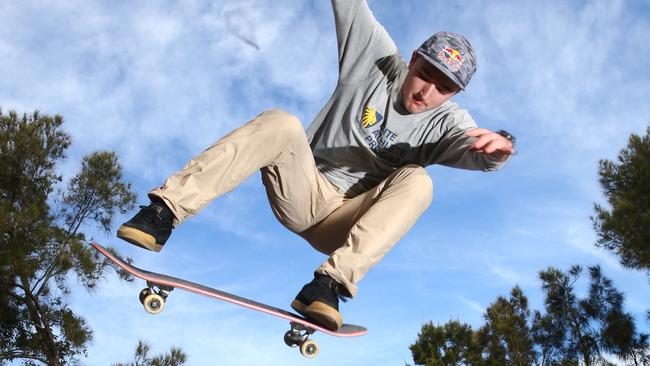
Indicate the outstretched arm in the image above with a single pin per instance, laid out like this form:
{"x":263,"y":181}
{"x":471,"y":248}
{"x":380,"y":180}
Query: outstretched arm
{"x":491,"y":143}
{"x":466,"y":146}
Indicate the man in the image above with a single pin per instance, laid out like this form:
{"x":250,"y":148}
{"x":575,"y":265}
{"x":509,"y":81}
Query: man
{"x":354,"y":184}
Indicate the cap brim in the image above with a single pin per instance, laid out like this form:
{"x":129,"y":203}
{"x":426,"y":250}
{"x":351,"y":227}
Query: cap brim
{"x":442,"y":68}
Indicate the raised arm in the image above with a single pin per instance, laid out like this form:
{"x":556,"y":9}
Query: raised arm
{"x":361,"y":40}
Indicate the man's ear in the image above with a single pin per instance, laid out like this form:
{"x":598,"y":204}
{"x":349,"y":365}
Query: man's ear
{"x":414,"y":57}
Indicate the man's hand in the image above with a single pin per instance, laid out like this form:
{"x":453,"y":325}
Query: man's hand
{"x":489,"y":142}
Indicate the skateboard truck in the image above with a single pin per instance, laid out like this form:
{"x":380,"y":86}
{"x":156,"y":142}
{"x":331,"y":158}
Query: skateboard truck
{"x":153,"y":297}
{"x":298,"y":336}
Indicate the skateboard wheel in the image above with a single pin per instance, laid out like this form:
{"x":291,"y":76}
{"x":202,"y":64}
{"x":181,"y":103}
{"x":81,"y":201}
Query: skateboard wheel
{"x":309,"y":348}
{"x":154,"y":303}
{"x":143,"y":294}
{"x":289,"y":339}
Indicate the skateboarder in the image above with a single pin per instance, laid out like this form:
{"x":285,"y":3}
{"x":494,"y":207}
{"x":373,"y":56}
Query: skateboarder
{"x":354,"y":183}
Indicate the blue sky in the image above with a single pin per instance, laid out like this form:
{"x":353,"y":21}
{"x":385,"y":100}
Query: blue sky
{"x":158,"y":81}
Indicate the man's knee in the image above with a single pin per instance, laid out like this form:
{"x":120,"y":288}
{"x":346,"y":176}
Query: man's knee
{"x":282,"y":121}
{"x":418,"y":182}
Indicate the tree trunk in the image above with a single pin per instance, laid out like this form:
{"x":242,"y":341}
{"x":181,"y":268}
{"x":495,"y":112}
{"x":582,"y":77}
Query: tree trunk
{"x":48,"y":345}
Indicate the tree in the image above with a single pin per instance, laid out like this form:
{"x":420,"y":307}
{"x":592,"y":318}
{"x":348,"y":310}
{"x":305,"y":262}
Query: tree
{"x":572,"y":330}
{"x":506,"y":338}
{"x":175,"y":357}
{"x":450,"y":344}
{"x":41,"y":238}
{"x":583,"y":331}
{"x":625,"y":228}
{"x":640,"y":352}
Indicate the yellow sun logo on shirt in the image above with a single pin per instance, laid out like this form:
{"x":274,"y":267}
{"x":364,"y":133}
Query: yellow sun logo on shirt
{"x":370,"y":117}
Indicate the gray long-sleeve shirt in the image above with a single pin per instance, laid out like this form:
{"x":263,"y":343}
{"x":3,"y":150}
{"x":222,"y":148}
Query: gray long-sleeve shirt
{"x":363,"y":133}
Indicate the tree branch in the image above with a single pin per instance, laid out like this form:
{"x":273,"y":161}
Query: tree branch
{"x":14,"y":354}
{"x":43,"y":330}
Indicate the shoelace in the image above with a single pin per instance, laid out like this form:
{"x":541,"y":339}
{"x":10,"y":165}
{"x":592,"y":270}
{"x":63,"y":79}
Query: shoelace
{"x":147,"y":213}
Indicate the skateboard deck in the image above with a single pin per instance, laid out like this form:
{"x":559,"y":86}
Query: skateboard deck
{"x":159,"y":285}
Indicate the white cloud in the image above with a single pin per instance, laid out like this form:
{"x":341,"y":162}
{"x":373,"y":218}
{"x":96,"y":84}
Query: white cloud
{"x":511,"y":276}
{"x":156,"y":79}
{"x":557,"y":73}
{"x":474,"y":305}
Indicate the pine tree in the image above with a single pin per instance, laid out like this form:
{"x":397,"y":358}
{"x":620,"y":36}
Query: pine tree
{"x":175,"y":357}
{"x":584,"y":330}
{"x":42,"y":240}
{"x":506,"y":338}
{"x":625,"y":228}
{"x":571,"y":331}
{"x":452,"y":344}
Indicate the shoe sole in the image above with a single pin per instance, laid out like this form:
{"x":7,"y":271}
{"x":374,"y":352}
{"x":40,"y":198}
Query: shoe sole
{"x":320,"y":313}
{"x":299,"y":307}
{"x":138,"y":238}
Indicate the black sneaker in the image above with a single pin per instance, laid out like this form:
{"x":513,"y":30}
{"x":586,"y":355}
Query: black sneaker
{"x":318,"y":301}
{"x":150,"y":228}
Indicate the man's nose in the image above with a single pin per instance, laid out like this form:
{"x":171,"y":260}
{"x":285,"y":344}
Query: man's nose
{"x":427,"y":89}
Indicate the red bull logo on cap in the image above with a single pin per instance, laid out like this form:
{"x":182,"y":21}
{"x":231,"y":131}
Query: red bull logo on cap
{"x":452,"y":57}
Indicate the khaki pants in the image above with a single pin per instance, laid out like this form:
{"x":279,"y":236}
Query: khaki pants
{"x":355,"y":232}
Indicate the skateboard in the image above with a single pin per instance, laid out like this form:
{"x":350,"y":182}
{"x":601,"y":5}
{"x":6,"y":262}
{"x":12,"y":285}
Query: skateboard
{"x":159,"y":286}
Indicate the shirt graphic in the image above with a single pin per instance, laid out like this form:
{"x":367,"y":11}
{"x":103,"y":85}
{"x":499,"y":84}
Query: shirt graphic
{"x":370,"y":117}
{"x":381,"y":140}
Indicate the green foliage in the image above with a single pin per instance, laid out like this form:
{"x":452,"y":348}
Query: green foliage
{"x":505,"y":337}
{"x":583,"y":330}
{"x":450,"y":344}
{"x":175,"y":357}
{"x":41,"y":238}
{"x":625,"y":228}
{"x":96,"y":193}
{"x":573,"y":331}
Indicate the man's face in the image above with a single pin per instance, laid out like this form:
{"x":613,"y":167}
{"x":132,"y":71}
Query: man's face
{"x":426,"y":87}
